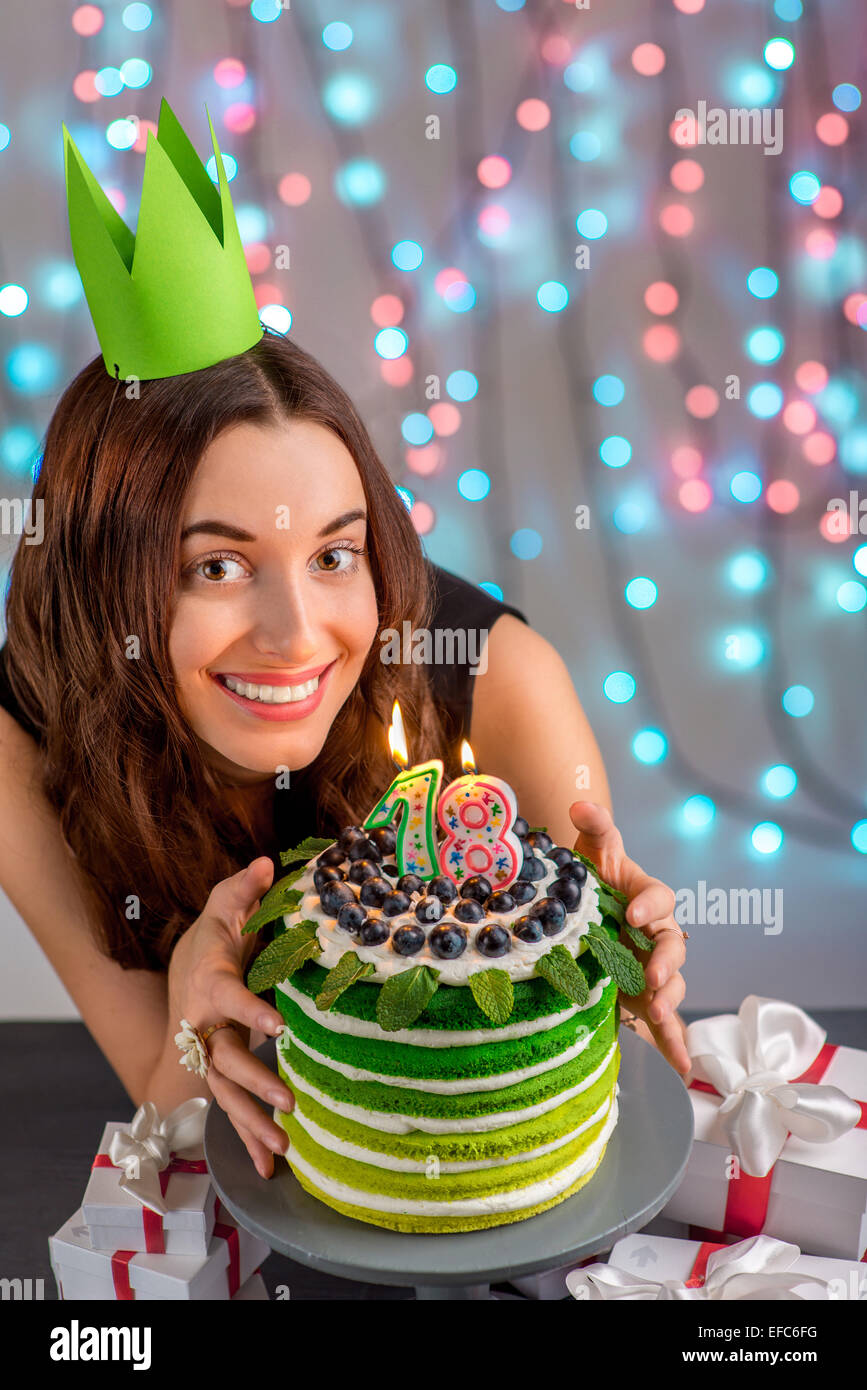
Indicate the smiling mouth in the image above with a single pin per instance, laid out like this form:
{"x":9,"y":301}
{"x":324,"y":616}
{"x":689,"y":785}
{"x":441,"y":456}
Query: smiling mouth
{"x":271,"y":694}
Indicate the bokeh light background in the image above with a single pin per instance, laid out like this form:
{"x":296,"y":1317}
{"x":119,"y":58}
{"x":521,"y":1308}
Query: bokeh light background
{"x":618,"y":378}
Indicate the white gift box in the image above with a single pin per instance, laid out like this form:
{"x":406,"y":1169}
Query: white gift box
{"x":117,"y":1220}
{"x":818,"y":1191}
{"x":551,"y":1283}
{"x":254,"y":1290}
{"x":84,"y":1273}
{"x":646,"y":1260}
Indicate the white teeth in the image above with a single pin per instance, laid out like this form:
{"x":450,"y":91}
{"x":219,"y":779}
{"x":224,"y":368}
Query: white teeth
{"x":272,"y":694}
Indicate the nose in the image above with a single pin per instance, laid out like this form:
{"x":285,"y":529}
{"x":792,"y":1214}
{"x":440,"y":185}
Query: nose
{"x":286,"y":622}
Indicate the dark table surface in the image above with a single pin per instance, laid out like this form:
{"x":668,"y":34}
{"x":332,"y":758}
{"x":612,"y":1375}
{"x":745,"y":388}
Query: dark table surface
{"x":57,"y":1092}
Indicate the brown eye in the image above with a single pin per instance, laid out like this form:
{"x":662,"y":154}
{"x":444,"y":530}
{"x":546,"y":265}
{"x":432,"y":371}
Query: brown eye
{"x":331,"y":559}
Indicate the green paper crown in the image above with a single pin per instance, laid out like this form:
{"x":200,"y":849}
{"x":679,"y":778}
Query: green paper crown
{"x":177,"y":296}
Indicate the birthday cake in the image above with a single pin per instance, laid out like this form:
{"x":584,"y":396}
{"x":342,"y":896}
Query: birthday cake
{"x":452,"y":1045}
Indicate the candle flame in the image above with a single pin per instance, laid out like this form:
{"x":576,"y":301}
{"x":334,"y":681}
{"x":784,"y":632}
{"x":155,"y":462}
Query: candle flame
{"x":397,"y":737}
{"x":468,"y":762}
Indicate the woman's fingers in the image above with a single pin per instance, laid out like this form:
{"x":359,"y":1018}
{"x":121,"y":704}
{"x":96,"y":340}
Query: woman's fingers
{"x":241,"y":1108}
{"x":666,"y":1000}
{"x":233,"y":900}
{"x":262,"y":1157}
{"x":667,"y":956}
{"x":650,"y":900}
{"x":231,"y":999}
{"x":234,"y":1060}
{"x":598,"y":836}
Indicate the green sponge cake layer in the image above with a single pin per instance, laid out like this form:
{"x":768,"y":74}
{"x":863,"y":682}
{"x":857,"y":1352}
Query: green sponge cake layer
{"x":380,"y":1056}
{"x":413,"y":1151}
{"x":412,"y":1100}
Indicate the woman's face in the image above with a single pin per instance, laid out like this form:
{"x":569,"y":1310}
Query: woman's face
{"x":275,"y":607}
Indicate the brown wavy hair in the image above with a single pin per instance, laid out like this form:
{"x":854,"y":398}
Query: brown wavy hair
{"x":138,"y":806}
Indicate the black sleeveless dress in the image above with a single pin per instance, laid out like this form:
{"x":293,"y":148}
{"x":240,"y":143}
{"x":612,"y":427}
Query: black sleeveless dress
{"x":459,"y":606}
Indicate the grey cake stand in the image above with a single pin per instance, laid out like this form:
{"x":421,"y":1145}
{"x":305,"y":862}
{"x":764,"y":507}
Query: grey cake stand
{"x":643,"y":1164}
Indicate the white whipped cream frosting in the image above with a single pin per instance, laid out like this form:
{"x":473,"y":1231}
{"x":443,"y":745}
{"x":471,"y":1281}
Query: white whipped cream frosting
{"x":519,"y":962}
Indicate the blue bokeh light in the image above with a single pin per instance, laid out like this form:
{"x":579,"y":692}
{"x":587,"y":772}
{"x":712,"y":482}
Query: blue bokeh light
{"x":748,"y":571}
{"x":698,"y":812}
{"x":846,"y":96}
{"x":762,"y":282}
{"x":407,"y":255}
{"x":391,"y":343}
{"x":766,"y":837}
{"x":32,"y":368}
{"x":746,"y":486}
{"x":337,"y":36}
{"x":765,"y":400}
{"x":462,"y":385}
{"x":641,"y":592}
{"x":852,"y":596}
{"x":266,"y":11}
{"x":417,"y":429}
{"x":360,"y":182}
{"x":804,"y":187}
{"x":349,"y":97}
{"x":649,"y":746}
{"x":441,"y":78}
{"x":615,"y":451}
{"x":798,"y":701}
{"x":474,"y":484}
{"x":779,"y":780}
{"x":619,"y":687}
{"x":743,"y":648}
{"x":591,"y":223}
{"x":859,"y":836}
{"x":552,"y":296}
{"x":608,"y":389}
{"x":137,"y":17}
{"x":764,"y":344}
{"x":525,"y":543}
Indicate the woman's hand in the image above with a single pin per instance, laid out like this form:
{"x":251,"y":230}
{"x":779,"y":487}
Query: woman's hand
{"x":651,"y":907}
{"x":206,"y":972}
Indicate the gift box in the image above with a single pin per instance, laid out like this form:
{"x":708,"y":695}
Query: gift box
{"x":551,"y":1283}
{"x":118,"y":1211}
{"x":659,"y":1268}
{"x":780,"y":1132}
{"x":84,"y":1273}
{"x":253,"y":1291}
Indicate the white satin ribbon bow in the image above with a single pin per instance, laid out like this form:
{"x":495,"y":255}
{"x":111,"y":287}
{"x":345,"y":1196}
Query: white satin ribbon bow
{"x":758,"y":1268}
{"x":143,"y":1150}
{"x":750,"y":1058}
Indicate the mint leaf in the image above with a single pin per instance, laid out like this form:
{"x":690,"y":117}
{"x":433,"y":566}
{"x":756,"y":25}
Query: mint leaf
{"x":285,"y":955}
{"x":403,"y":997}
{"x":493,"y":992}
{"x":281,"y":898}
{"x":643,"y":942}
{"x":306,"y":850}
{"x":534,"y":828}
{"x":618,"y":961}
{"x":561,"y":970}
{"x":347,"y":970}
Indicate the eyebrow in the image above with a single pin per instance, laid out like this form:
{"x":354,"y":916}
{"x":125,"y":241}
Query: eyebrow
{"x":212,"y":527}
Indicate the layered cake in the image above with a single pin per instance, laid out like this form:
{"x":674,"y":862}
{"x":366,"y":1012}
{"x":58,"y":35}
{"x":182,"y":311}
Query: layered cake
{"x":452,"y":1047}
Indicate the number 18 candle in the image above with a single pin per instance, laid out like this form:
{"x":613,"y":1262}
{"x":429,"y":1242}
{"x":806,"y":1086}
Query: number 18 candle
{"x":477,"y":813}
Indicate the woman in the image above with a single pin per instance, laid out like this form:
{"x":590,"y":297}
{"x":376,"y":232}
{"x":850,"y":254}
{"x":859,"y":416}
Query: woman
{"x":210,"y":540}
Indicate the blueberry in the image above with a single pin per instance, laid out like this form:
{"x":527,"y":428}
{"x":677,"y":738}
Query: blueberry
{"x":540,"y":841}
{"x":567,"y":890}
{"x":429,"y":909}
{"x":532,"y":868}
{"x":574,"y":869}
{"x":334,"y":895}
{"x":500,"y":902}
{"x":469,"y":910}
{"x":391,"y":869}
{"x":351,"y":918}
{"x":374,"y":891}
{"x":360,"y":869}
{"x":374,"y":932}
{"x":522,"y":891}
{"x":330,"y":857}
{"x":395,"y":902}
{"x":520,"y":827}
{"x":364,"y":849}
{"x":493,"y":941}
{"x":448,"y":940}
{"x":410,"y":883}
{"x":385,"y":839}
{"x":407,"y":940}
{"x":560,"y":856}
{"x":527,"y":929}
{"x":551,"y":913}
{"x":329,"y":874}
{"x":442,"y":888}
{"x":477,"y":887}
{"x":350,"y":836}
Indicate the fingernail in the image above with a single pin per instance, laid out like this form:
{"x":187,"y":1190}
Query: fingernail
{"x":281,"y":1099}
{"x":269,"y":1026}
{"x":637,"y":916}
